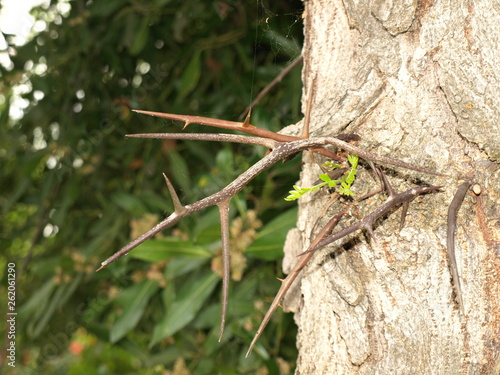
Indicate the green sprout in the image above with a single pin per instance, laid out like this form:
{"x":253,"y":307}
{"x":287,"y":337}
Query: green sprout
{"x":345,"y":182}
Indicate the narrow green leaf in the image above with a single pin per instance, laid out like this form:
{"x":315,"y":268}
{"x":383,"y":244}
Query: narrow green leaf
{"x":185,"y":308}
{"x":191,"y":76}
{"x":105,"y":8}
{"x":224,"y":160}
{"x":156,"y":250}
{"x":133,"y":302}
{"x":180,"y":266}
{"x":268,"y":244}
{"x":140,"y":38}
{"x":207,"y":228}
{"x":38,"y":326}
{"x":353,"y":160}
{"x":180,"y":171}
{"x":129,"y":203}
{"x":39,"y":298}
{"x":296,"y":193}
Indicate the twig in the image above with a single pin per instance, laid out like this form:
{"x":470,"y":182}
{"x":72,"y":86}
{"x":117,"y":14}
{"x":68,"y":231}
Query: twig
{"x":273,"y":83}
{"x":269,"y":143}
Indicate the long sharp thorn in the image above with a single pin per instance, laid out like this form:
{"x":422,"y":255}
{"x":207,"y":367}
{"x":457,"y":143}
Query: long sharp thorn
{"x":218,"y":137}
{"x":403,"y":215}
{"x":288,"y":281}
{"x":369,"y":219}
{"x":378,"y":158}
{"x":377,"y":172}
{"x":369,"y":229}
{"x":232,"y":125}
{"x":387,"y":184}
{"x":179,"y":208}
{"x":226,"y":260}
{"x":450,"y":240}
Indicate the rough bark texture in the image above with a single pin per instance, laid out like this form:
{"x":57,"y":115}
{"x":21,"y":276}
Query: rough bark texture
{"x":417,"y":80}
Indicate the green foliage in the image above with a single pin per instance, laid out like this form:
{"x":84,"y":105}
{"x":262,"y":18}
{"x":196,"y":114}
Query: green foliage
{"x":185,"y":307}
{"x":268,"y":243}
{"x":345,"y":182}
{"x":132,"y":302}
{"x":74,"y":190}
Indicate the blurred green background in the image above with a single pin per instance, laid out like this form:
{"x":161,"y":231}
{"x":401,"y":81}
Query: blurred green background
{"x":74,"y":190}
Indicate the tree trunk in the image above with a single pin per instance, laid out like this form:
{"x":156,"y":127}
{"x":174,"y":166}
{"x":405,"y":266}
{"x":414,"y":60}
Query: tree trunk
{"x":418,"y":81}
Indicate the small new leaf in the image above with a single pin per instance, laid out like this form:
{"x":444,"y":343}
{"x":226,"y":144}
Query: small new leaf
{"x":331,"y":165}
{"x":353,"y":160}
{"x":296,"y":193}
{"x":345,"y":182}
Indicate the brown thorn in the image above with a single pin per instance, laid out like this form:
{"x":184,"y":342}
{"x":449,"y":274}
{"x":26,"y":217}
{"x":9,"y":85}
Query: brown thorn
{"x":369,"y":229}
{"x":450,"y":240}
{"x":224,"y":124}
{"x":226,"y":260}
{"x":387,"y":184}
{"x":369,"y":219}
{"x":403,"y":215}
{"x":246,"y":123}
{"x":367,"y":155}
{"x":216,"y":137}
{"x":178,"y":207}
{"x":287,"y":283}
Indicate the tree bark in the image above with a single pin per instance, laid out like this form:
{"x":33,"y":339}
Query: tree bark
{"x":419,"y":81}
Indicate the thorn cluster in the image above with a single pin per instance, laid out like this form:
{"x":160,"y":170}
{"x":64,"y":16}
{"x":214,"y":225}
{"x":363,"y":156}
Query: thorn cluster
{"x":281,"y":147}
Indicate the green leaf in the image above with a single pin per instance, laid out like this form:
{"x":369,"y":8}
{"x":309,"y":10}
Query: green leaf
{"x":296,"y":193}
{"x":180,"y":171}
{"x":268,"y":244}
{"x":353,"y":160}
{"x":140,"y":38}
{"x":180,"y":266}
{"x":105,"y":8}
{"x":133,"y":301}
{"x":331,"y":165}
{"x":224,"y":161}
{"x":191,"y":76}
{"x":36,"y":326}
{"x":129,"y":203}
{"x":38,"y":299}
{"x":156,"y":250}
{"x":207,"y":228}
{"x":325,"y":177}
{"x":185,"y":308}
